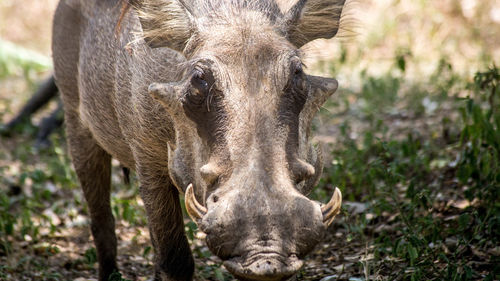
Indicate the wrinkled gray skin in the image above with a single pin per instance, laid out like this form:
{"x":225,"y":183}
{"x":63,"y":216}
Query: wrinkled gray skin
{"x":208,"y":95}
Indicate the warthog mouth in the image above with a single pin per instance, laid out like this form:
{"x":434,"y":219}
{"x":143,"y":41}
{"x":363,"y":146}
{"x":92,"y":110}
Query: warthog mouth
{"x":264,"y":266}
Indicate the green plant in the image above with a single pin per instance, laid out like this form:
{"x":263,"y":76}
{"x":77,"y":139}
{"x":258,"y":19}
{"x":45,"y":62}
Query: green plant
{"x":90,"y":256}
{"x":15,"y":59}
{"x":402,"y":179}
{"x":117,"y":276}
{"x":479,"y":163}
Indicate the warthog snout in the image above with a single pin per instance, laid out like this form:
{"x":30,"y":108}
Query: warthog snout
{"x":261,"y":235}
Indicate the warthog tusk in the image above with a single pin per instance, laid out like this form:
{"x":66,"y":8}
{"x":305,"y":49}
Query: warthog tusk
{"x":195,"y":210}
{"x":332,"y":208}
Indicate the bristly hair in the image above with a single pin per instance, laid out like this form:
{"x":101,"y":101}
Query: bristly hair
{"x":172,"y":20}
{"x":349,"y":26}
{"x":163,"y":20}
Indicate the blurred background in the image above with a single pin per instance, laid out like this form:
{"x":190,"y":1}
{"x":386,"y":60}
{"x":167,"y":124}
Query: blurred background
{"x":412,"y":138}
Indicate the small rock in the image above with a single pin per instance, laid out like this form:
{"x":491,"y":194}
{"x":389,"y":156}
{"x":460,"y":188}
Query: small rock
{"x":51,"y":187}
{"x":54,"y":218}
{"x":355,"y":207}
{"x":329,"y":278}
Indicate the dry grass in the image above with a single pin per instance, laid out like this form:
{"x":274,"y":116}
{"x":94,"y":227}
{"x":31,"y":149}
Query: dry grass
{"x":464,"y":31}
{"x":27,"y":23}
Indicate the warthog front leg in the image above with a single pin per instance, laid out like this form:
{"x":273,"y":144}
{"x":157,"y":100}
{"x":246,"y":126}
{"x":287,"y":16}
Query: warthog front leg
{"x":93,"y":167}
{"x":173,"y":258}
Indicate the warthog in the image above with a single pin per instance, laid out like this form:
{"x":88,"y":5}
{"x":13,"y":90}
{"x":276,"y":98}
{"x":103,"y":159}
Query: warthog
{"x":207,"y":98}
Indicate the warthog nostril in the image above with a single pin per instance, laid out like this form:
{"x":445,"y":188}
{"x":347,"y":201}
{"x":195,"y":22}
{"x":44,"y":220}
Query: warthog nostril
{"x":265,"y":237}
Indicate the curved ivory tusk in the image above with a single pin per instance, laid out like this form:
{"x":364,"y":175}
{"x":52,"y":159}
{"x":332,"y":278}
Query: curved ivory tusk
{"x":332,"y":208}
{"x":195,"y":210}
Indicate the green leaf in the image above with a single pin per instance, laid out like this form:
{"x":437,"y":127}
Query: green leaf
{"x":146,"y":251}
{"x":90,"y":256}
{"x":218,"y":274}
{"x":413,"y":253}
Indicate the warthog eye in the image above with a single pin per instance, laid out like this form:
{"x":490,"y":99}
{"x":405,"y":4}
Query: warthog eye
{"x":298,"y":71}
{"x":297,"y":83}
{"x":198,"y":80}
{"x":200,"y":86}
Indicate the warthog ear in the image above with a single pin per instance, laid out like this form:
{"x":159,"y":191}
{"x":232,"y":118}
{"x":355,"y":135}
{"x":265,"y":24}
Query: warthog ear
{"x":321,"y":89}
{"x":165,"y":23}
{"x":312,"y":19}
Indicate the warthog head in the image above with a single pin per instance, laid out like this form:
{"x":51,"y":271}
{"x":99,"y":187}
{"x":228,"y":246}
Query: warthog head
{"x":242,"y":114}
